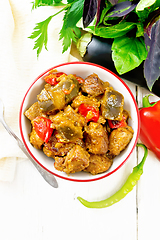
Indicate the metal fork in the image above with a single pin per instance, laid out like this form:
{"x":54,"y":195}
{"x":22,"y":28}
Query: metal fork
{"x":45,"y":174}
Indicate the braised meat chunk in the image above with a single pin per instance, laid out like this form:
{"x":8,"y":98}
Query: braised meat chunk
{"x":35,"y":140}
{"x":93,"y":85}
{"x":77,"y":159}
{"x":98,"y":164}
{"x":119,"y":139}
{"x":75,"y":117}
{"x":55,"y":148}
{"x":96,"y":138}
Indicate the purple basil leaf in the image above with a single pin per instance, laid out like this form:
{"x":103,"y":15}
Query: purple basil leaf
{"x":121,"y":9}
{"x":113,"y":2}
{"x":152,"y":19}
{"x":100,"y":6}
{"x":152,"y":62}
{"x":148,"y":30}
{"x":89,"y":11}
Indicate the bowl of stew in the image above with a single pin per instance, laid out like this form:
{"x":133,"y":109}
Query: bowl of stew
{"x":79,"y":121}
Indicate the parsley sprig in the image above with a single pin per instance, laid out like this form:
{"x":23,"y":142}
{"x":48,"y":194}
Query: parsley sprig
{"x":134,"y":26}
{"x":69,"y":32}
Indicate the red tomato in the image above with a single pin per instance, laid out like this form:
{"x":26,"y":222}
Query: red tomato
{"x":79,"y":79}
{"x":43,"y":128}
{"x":85,"y":109}
{"x":52,"y":77}
{"x":117,"y":124}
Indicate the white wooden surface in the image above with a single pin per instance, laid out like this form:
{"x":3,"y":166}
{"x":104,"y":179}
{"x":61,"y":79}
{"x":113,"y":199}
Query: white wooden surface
{"x":30,"y":209}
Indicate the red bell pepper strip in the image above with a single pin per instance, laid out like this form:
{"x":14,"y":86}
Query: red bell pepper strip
{"x":150,"y":125}
{"x":79,"y":79}
{"x":43,"y":128}
{"x":52,"y":77}
{"x":117,"y":124}
{"x":89,"y":112}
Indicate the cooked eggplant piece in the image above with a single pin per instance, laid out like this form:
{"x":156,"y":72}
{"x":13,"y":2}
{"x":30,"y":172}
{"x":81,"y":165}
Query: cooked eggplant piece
{"x":54,"y":98}
{"x":69,"y":85}
{"x":68,"y":131}
{"x":50,"y":102}
{"x":112,"y":105}
{"x":34,"y":111}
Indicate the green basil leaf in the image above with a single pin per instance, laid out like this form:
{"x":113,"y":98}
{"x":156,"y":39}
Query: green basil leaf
{"x":114,"y":31}
{"x":128,"y":53}
{"x":74,"y":13}
{"x":143,"y":15}
{"x":144,"y":4}
{"x":140,"y":30}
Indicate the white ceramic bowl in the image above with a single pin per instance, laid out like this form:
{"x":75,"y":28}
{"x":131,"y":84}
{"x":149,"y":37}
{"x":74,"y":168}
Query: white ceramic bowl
{"x":82,"y":69}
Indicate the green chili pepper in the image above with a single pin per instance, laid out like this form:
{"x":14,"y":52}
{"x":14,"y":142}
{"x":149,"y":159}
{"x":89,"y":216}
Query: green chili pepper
{"x":124,"y":190}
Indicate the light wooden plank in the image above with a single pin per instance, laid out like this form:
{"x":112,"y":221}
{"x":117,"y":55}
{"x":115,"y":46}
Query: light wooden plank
{"x":148,"y":193}
{"x":32,"y":209}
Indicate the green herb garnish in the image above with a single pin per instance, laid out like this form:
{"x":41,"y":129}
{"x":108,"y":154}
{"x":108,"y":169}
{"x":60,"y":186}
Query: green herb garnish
{"x":133,"y":26}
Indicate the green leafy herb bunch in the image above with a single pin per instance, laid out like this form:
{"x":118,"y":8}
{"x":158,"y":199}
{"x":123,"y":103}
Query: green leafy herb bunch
{"x":133,"y":25}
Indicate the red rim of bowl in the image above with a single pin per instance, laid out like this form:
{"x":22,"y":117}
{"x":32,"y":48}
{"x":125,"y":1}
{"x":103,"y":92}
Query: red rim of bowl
{"x":67,"y":178}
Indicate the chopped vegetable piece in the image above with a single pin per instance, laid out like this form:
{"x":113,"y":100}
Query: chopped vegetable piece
{"x":79,"y":79}
{"x":42,"y":126}
{"x":112,"y":105}
{"x":69,"y":85}
{"x":55,"y":97}
{"x":68,"y":131}
{"x":34,"y":111}
{"x":150,"y":125}
{"x":117,"y":124}
{"x":52,"y":77}
{"x":89,"y":112}
{"x":50,"y":100}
